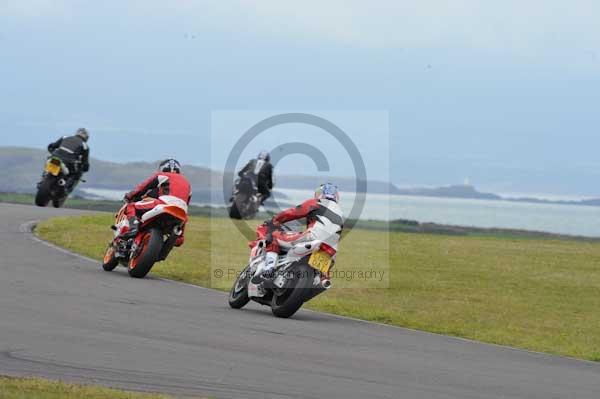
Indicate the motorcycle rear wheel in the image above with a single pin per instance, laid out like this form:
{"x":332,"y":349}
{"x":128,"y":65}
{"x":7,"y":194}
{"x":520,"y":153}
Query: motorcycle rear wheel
{"x":42,"y":196}
{"x":238,"y":296}
{"x":148,"y":254}
{"x":234,"y":213}
{"x":287,"y":302}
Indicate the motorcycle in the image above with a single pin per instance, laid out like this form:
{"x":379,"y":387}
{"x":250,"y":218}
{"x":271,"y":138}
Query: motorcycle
{"x":56,"y":184}
{"x":158,"y":231}
{"x":246,"y":199}
{"x":301,"y":273}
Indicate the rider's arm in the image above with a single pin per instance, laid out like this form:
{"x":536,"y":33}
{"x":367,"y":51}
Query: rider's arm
{"x":299,"y":212}
{"x":143,"y":188}
{"x":55,"y":145}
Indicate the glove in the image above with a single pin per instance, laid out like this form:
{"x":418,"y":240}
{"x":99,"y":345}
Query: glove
{"x":128,"y":197}
{"x":272,"y":225}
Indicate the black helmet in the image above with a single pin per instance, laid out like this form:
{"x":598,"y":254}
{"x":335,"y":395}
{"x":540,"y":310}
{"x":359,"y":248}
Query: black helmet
{"x":83,"y":133}
{"x":170,"y":166}
{"x":264,"y":155}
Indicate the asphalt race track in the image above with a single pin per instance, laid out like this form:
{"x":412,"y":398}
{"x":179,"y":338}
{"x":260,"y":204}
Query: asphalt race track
{"x":61,"y":316}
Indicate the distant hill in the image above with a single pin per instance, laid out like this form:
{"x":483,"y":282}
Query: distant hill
{"x":456,"y":191}
{"x":22,"y":168}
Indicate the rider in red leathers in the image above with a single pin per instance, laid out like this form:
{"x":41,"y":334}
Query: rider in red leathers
{"x":321,"y":210}
{"x":167,"y":181}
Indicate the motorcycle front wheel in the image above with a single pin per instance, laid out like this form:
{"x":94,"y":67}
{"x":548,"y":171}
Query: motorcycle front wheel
{"x":238,"y":296}
{"x":110,"y":261}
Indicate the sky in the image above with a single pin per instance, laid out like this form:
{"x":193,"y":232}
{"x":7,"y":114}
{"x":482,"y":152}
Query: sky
{"x":502,"y":94}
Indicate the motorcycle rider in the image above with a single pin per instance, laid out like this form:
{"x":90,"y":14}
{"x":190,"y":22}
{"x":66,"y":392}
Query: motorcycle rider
{"x":262,"y":169}
{"x":74,"y":152}
{"x":320,"y":211}
{"x":167,"y":181}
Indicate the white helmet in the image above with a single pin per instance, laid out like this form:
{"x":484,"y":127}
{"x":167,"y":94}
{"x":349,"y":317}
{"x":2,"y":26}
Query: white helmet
{"x":264,"y":155}
{"x":328,"y":191}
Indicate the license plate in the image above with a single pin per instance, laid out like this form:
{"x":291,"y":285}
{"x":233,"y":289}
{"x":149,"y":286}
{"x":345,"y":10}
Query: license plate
{"x":52,"y":169}
{"x":321,"y":261}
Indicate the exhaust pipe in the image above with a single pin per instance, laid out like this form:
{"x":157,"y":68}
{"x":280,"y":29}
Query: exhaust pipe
{"x":326,"y":283}
{"x":62,"y":182}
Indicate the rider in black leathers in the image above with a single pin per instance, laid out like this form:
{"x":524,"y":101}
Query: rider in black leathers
{"x":75,"y":154}
{"x":262,"y":168}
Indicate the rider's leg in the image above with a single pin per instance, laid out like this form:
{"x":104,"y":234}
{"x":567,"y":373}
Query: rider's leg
{"x":68,"y":179}
{"x":134,"y":212}
{"x":72,"y":181}
{"x":133,"y":225}
{"x":265,"y":271}
{"x":270,"y":262}
{"x":181,"y":239}
{"x":264,"y":193}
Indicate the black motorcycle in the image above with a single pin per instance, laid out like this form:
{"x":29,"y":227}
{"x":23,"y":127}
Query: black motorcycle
{"x":246,"y":199}
{"x":56,"y":184}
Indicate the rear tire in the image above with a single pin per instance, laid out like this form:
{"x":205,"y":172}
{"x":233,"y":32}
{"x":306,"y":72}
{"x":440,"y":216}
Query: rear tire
{"x":42,"y":196}
{"x":234,"y":213}
{"x":238,"y":296}
{"x":245,"y":207}
{"x":148,"y":254}
{"x":110,"y":262}
{"x":287,"y":303}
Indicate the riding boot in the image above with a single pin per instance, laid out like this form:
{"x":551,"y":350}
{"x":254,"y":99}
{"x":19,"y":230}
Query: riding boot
{"x":134,"y":227}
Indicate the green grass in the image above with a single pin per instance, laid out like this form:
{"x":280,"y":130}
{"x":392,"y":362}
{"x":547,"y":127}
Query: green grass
{"x":538,"y":294}
{"x":25,"y":388}
{"x":14,"y":198}
{"x":75,"y":202}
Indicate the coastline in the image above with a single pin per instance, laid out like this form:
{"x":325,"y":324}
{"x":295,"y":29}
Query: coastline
{"x":395,"y":225}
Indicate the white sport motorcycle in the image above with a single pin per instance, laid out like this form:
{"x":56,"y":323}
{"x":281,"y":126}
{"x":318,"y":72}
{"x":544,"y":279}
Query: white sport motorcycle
{"x":301,"y":273}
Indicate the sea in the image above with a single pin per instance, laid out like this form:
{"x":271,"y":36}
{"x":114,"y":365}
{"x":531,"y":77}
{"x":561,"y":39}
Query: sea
{"x":552,"y":218}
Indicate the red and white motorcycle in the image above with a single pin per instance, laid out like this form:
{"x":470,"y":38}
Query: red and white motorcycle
{"x":159,"y":229}
{"x":301,"y":273}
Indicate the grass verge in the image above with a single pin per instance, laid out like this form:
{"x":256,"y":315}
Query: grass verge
{"x":22,"y":388}
{"x":537,"y":294}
